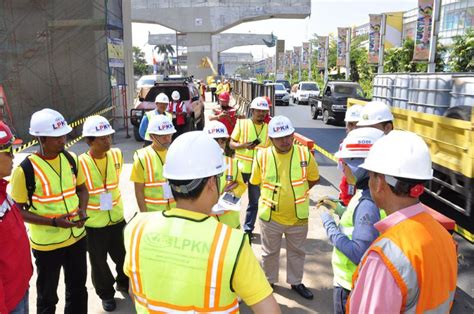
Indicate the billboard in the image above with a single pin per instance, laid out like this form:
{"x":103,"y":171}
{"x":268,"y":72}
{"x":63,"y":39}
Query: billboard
{"x":297,"y":55}
{"x":393,"y":30}
{"x":341,"y":46}
{"x":322,"y":51}
{"x":305,"y":57}
{"x":375,"y":26}
{"x":423,"y":30}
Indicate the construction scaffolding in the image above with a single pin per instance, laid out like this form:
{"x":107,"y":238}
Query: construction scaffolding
{"x":64,"y":55}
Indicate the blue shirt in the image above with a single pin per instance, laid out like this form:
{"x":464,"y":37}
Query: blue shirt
{"x":365,"y":216}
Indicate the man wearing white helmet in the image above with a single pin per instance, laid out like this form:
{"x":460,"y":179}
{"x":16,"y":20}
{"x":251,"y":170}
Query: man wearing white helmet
{"x":412,"y":266}
{"x":49,"y":187}
{"x":179,"y":114}
{"x":356,"y":231}
{"x":182,"y":260}
{"x":151,"y":188}
{"x":248,"y":136}
{"x":102,"y":166}
{"x":285,"y":172}
{"x":231,"y":183}
{"x":161,"y":102}
{"x":352,"y":117}
{"x":377,"y":115}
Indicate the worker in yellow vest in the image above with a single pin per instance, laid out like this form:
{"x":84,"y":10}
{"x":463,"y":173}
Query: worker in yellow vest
{"x":356,"y":231}
{"x":412,"y":266}
{"x":49,"y":187}
{"x":161,"y":102}
{"x":182,"y":260}
{"x":102,"y":166}
{"x":152,"y":191}
{"x":285,"y":172}
{"x":219,"y":88}
{"x":232,"y":185}
{"x":248,"y":136}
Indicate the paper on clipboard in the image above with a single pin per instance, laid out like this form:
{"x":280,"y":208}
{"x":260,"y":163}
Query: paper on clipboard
{"x":227,"y":202}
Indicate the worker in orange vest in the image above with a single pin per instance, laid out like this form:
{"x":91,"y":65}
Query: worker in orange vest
{"x":412,"y":266}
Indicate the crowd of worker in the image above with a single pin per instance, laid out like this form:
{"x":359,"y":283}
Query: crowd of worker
{"x":184,"y":250}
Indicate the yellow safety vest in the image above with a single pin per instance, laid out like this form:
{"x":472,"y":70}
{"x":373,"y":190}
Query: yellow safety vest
{"x":248,"y":133}
{"x":150,"y":115}
{"x":154,"y":180}
{"x":230,"y":217}
{"x":54,"y":195}
{"x":179,"y":264}
{"x":95,"y":185}
{"x":269,"y":188}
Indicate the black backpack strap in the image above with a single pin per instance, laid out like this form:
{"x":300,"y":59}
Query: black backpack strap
{"x":27,"y":167}
{"x":71,"y":161}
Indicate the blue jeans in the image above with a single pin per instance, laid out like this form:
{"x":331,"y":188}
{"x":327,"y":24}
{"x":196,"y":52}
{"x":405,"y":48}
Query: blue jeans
{"x":22,"y":306}
{"x":340,"y":296}
{"x":252,"y":208}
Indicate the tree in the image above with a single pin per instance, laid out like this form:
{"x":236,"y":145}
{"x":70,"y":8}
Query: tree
{"x":140,"y":66}
{"x":461,"y":57}
{"x":165,"y":50}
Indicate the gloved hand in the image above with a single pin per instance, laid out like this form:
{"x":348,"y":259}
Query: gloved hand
{"x":334,"y":205}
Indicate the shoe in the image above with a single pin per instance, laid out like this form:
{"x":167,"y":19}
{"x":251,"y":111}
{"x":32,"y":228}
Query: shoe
{"x":109,"y":305}
{"x":303,"y":291}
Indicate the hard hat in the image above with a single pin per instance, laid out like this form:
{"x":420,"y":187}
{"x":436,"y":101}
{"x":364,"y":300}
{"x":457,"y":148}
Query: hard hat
{"x":218,"y":81}
{"x":216,"y":129}
{"x":175,"y":95}
{"x":96,"y":126}
{"x":280,"y":126}
{"x":374,"y":112}
{"x":160,"y":124}
{"x":224,"y":96}
{"x":353,"y":113}
{"x":162,"y":98}
{"x":193,"y":155}
{"x":6,"y":136}
{"x":259,"y":103}
{"x":400,"y":154}
{"x":48,"y":122}
{"x":358,"y":143}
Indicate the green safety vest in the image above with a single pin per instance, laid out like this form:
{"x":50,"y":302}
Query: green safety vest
{"x":342,"y":266}
{"x":95,"y":185}
{"x":154,"y":181}
{"x":248,"y":133}
{"x":269,"y":188}
{"x":54,"y":196}
{"x":150,"y":115}
{"x":183,"y":264}
{"x":231,"y":217}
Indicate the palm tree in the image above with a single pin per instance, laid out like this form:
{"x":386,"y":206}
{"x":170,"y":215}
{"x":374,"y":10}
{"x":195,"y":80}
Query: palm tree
{"x":165,"y":50}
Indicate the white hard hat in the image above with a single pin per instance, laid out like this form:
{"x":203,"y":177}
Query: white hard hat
{"x":160,"y":124}
{"x":162,"y":98}
{"x":400,"y":154}
{"x":353,"y":113}
{"x":218,"y":81}
{"x":358,"y":143}
{"x":374,"y":112}
{"x":216,"y":129}
{"x":175,"y":95}
{"x":259,"y":103}
{"x":96,"y":126}
{"x":48,"y":122}
{"x":280,"y":126}
{"x":193,"y":155}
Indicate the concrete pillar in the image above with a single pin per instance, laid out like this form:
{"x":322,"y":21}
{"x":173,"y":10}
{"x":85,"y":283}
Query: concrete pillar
{"x":128,"y":55}
{"x":199,"y":47}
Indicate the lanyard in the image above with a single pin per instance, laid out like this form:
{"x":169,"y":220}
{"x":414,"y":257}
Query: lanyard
{"x":98,"y":170}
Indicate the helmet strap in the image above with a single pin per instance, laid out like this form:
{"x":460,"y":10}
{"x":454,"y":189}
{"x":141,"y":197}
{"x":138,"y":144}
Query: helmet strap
{"x":187,"y":188}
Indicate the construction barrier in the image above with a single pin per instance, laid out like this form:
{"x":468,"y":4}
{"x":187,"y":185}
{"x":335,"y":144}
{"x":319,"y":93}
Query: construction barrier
{"x":302,"y":140}
{"x":245,"y":91}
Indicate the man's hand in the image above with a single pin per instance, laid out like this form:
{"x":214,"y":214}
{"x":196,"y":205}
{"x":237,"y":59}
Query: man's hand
{"x":64,"y":221}
{"x":223,"y":114}
{"x":230,"y":186}
{"x":332,"y":205}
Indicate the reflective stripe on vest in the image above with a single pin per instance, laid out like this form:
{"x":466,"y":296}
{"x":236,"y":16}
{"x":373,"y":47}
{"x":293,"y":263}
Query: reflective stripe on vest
{"x":248,"y":133}
{"x":54,"y":196}
{"x":95,"y":186}
{"x":150,"y":115}
{"x":214,"y":290}
{"x":342,"y":266}
{"x":154,"y":180}
{"x":428,"y":259}
{"x":270,"y":183}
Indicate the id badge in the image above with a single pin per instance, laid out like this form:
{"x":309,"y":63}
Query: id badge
{"x":167,"y":191}
{"x":106,"y":201}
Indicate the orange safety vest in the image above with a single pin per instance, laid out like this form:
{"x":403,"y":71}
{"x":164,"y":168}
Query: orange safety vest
{"x":421,"y":256}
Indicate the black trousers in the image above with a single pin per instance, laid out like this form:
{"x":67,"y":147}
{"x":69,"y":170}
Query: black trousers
{"x":213,"y":94}
{"x":48,"y":267}
{"x":100,"y":242}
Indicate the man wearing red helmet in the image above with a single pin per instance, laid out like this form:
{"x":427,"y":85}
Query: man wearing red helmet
{"x":227,"y":114}
{"x":15,"y":256}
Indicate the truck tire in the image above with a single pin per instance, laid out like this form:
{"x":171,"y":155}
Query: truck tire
{"x":136,"y":134}
{"x":459,"y":112}
{"x":314,"y":112}
{"x":326,"y":119}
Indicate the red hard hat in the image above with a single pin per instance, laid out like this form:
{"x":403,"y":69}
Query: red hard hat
{"x":225,"y":96}
{"x":6,"y":136}
{"x":269,"y":101}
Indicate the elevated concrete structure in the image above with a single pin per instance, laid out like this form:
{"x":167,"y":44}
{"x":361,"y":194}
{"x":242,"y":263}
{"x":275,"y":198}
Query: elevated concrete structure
{"x":231,"y":61}
{"x":200,"y":19}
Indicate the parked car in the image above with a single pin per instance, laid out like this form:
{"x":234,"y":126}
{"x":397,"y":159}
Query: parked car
{"x":286,"y":84}
{"x":304,"y":90}
{"x":282,"y":97}
{"x":146,"y":82}
{"x":264,"y":82}
{"x":189,"y":95}
{"x":332,"y":103}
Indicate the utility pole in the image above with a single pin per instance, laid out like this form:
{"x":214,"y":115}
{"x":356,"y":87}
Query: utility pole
{"x":348,"y":53}
{"x":326,"y":56}
{"x":434,"y":36}
{"x":177,"y":59}
{"x":382,"y":43}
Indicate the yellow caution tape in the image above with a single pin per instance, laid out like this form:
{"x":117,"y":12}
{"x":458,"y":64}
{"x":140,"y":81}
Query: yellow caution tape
{"x":72,"y":125}
{"x":325,"y":153}
{"x":464,"y":233}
